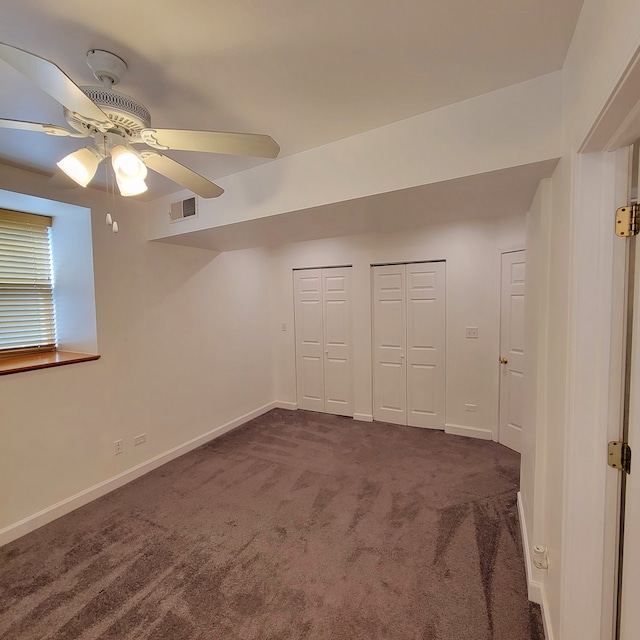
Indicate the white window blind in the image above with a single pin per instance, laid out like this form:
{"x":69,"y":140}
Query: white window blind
{"x":27,"y":316}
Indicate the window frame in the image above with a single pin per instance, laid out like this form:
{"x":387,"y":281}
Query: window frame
{"x":71,"y":239}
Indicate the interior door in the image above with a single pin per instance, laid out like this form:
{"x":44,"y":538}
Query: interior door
{"x":389,"y":321}
{"x":511,"y":349}
{"x":309,"y":339}
{"x":425,"y":344}
{"x":338,"y":387}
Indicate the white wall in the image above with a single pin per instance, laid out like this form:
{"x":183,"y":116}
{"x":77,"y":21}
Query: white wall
{"x":472,"y":253}
{"x":547,"y":352}
{"x":564,"y":500}
{"x":184,"y":340}
{"x":536,"y":350}
{"x":604,"y":43}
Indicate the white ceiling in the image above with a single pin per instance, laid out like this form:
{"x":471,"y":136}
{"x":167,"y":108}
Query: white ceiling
{"x":305,"y":72}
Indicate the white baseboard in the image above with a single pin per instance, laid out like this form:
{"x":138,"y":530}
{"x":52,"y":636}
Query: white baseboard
{"x":469,"y":432}
{"x":363,"y":417}
{"x":22,"y":527}
{"x":281,"y":404}
{"x":535,"y":590}
{"x":546,"y":621}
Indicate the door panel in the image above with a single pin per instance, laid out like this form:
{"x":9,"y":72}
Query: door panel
{"x":392,"y":391}
{"x":309,"y":339}
{"x":425,"y":344}
{"x":389,"y":321}
{"x":312,"y":374}
{"x":337,"y":342}
{"x":512,"y":348}
{"x":422,"y":386}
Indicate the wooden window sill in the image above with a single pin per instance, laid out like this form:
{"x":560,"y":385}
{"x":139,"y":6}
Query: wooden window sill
{"x":42,"y":361}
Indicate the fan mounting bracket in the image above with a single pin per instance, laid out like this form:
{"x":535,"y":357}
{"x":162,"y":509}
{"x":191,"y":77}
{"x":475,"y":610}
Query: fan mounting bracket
{"x":107,"y":67}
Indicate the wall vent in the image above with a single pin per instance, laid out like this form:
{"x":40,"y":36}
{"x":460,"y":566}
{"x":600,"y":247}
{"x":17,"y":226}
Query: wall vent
{"x":183,"y":209}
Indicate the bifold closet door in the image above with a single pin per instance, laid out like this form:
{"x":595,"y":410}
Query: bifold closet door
{"x":309,"y":339}
{"x":409,"y":341}
{"x":323,"y":340}
{"x":389,"y":344}
{"x":336,"y":308}
{"x":425,"y":344}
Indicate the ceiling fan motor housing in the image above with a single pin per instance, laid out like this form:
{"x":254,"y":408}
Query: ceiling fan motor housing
{"x":125,"y":112}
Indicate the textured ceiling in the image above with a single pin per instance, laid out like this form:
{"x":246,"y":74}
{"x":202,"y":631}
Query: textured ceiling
{"x":307,"y":73}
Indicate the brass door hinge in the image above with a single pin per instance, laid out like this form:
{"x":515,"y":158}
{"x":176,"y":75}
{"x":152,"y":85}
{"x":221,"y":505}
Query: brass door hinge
{"x":627,"y":223}
{"x":620,"y":456}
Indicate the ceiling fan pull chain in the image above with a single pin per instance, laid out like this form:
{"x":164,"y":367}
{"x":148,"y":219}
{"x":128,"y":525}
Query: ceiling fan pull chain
{"x":111,"y":196}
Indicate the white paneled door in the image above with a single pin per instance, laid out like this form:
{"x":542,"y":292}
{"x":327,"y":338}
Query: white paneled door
{"x":309,"y":339}
{"x":389,"y":344}
{"x":323,"y":340}
{"x":511,"y":349}
{"x":409,"y":341}
{"x":425,"y":345}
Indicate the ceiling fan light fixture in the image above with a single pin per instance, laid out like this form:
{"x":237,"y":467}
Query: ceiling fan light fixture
{"x":131,"y":186}
{"x":127,"y":165}
{"x":81,"y":165}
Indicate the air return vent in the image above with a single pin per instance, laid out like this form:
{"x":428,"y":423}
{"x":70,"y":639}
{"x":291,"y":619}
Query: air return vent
{"x":183,"y":209}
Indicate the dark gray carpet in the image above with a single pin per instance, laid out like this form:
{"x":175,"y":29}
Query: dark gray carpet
{"x":296,"y":526}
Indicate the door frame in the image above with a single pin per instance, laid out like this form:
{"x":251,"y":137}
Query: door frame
{"x":594,"y":396}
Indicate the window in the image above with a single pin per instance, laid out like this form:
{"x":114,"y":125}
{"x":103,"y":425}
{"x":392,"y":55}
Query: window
{"x":72,"y":337}
{"x":27,"y":314}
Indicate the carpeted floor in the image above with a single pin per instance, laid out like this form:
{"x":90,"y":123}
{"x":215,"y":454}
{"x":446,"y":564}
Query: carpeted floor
{"x":296,"y":526}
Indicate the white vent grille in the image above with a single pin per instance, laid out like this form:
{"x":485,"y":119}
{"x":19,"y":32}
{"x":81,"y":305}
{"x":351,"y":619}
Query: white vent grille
{"x":183,"y":209}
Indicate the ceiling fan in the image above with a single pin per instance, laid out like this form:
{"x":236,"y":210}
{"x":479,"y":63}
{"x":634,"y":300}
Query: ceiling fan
{"x":116,"y":122}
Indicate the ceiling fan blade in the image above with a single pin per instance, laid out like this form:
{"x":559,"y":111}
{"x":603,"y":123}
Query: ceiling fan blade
{"x":52,"y":80}
{"x":238,"y":144}
{"x":50,"y":129}
{"x":181,"y":174}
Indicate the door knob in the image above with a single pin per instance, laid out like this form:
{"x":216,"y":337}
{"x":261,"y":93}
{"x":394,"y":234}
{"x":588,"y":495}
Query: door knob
{"x":402,"y":356}
{"x":503,"y":360}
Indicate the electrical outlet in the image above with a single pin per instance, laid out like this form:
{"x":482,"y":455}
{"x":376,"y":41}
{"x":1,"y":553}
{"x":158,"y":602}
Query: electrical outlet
{"x":117,"y":447}
{"x":139,"y":439}
{"x":470,"y":407}
{"x":472,"y":332}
